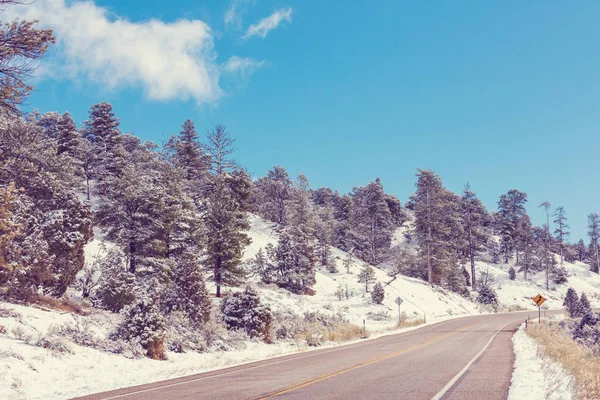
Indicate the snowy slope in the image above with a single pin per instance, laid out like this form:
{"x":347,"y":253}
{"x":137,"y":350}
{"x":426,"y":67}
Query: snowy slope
{"x":519,"y":292}
{"x":419,"y":298}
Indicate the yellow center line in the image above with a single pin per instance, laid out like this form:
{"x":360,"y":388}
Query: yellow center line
{"x":370,"y":362}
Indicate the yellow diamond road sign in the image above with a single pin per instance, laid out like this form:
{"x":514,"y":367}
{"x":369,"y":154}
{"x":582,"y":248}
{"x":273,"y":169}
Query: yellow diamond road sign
{"x":539,"y":300}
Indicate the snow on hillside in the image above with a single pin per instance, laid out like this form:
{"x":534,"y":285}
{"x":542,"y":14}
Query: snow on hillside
{"x":32,"y":371}
{"x":419,"y":298}
{"x":519,"y":293}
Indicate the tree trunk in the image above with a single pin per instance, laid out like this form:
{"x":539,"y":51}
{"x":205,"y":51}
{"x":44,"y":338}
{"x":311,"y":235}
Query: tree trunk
{"x":132,"y":260}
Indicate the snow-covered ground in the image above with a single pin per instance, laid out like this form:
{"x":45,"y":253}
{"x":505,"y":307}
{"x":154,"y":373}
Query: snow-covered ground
{"x":420,"y":299}
{"x":518,"y":293}
{"x":32,"y":372}
{"x":535,"y":377}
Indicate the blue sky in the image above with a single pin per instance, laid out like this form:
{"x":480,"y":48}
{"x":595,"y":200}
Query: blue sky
{"x":500,"y":94}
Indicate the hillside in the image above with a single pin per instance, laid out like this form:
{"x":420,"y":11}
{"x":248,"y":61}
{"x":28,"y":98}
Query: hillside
{"x":38,"y":349}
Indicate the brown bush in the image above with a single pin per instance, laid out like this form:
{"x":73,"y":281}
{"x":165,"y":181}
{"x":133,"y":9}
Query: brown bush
{"x":155,"y":349}
{"x":58,"y":304}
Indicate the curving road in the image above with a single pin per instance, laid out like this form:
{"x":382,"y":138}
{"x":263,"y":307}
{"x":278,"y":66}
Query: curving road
{"x":465,"y":358}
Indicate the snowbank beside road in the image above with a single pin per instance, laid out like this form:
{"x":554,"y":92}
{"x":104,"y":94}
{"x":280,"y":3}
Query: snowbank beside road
{"x":536,"y":377}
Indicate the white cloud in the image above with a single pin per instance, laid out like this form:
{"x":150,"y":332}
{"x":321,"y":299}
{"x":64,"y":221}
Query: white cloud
{"x":266,"y":25}
{"x":244,"y":66}
{"x":168,"y":60}
{"x":233,"y":15}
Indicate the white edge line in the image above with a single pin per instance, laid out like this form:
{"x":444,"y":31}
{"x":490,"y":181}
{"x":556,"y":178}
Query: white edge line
{"x":449,"y":385}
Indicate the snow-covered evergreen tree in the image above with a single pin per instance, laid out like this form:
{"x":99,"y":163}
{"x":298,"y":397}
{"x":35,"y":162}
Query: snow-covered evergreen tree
{"x":373,"y":222}
{"x":511,"y":209}
{"x":145,"y":324}
{"x":378,"y":293}
{"x":512,"y":275}
{"x":366,"y":276}
{"x":244,"y":311}
{"x":272,"y":195}
{"x":561,"y":232}
{"x":292,"y":261}
{"x":226,"y":223}
{"x":572,"y":303}
{"x":594,"y":235}
{"x":187,"y":292}
{"x":473,"y":217}
{"x":584,"y":303}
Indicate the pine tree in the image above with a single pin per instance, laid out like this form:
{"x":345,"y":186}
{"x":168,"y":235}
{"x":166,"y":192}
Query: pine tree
{"x":348,"y":262}
{"x":429,"y":213}
{"x":293,"y":264}
{"x":594,"y":234}
{"x":572,"y":303}
{"x":339,"y":292}
{"x":366,"y":276}
{"x":546,"y":241}
{"x":261,"y":266}
{"x":273,"y":193}
{"x":220,"y":147}
{"x":585,"y":306}
{"x":67,"y":137}
{"x":439,"y":231}
{"x":116,"y":288}
{"x":300,"y":210}
{"x":561,"y":232}
{"x":226,"y":222}
{"x":102,"y":130}
{"x":378,"y":293}
{"x":373,"y":222}
{"x":188,"y":291}
{"x":512,"y":275}
{"x":10,"y":228}
{"x":511,"y":209}
{"x":581,"y":250}
{"x":473,"y":217}
{"x":187,"y":153}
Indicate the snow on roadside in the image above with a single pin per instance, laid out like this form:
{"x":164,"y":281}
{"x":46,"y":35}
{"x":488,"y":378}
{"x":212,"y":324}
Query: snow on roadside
{"x":536,"y":377}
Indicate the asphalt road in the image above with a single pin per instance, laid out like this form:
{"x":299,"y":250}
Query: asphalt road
{"x":465,"y":358}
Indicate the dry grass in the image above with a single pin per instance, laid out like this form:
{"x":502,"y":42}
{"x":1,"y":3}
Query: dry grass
{"x":58,"y":304}
{"x":515,"y":308}
{"x":344,"y":333}
{"x":408,"y":323}
{"x":579,"y":361}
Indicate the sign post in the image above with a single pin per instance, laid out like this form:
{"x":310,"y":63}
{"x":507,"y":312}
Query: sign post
{"x":399,"y":301}
{"x":539,"y":300}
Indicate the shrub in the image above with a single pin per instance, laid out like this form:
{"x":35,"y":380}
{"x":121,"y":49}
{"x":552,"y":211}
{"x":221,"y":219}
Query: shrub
{"x":183,"y":335}
{"x":512,"y":275}
{"x":144,"y":323}
{"x":53,"y":343}
{"x":378,"y":315}
{"x":8,"y":313}
{"x":487,"y":296}
{"x":243,"y":311}
{"x":3,"y":330}
{"x":116,"y":285}
{"x":378,"y":293}
{"x":18,"y":332}
{"x":79,"y":332}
